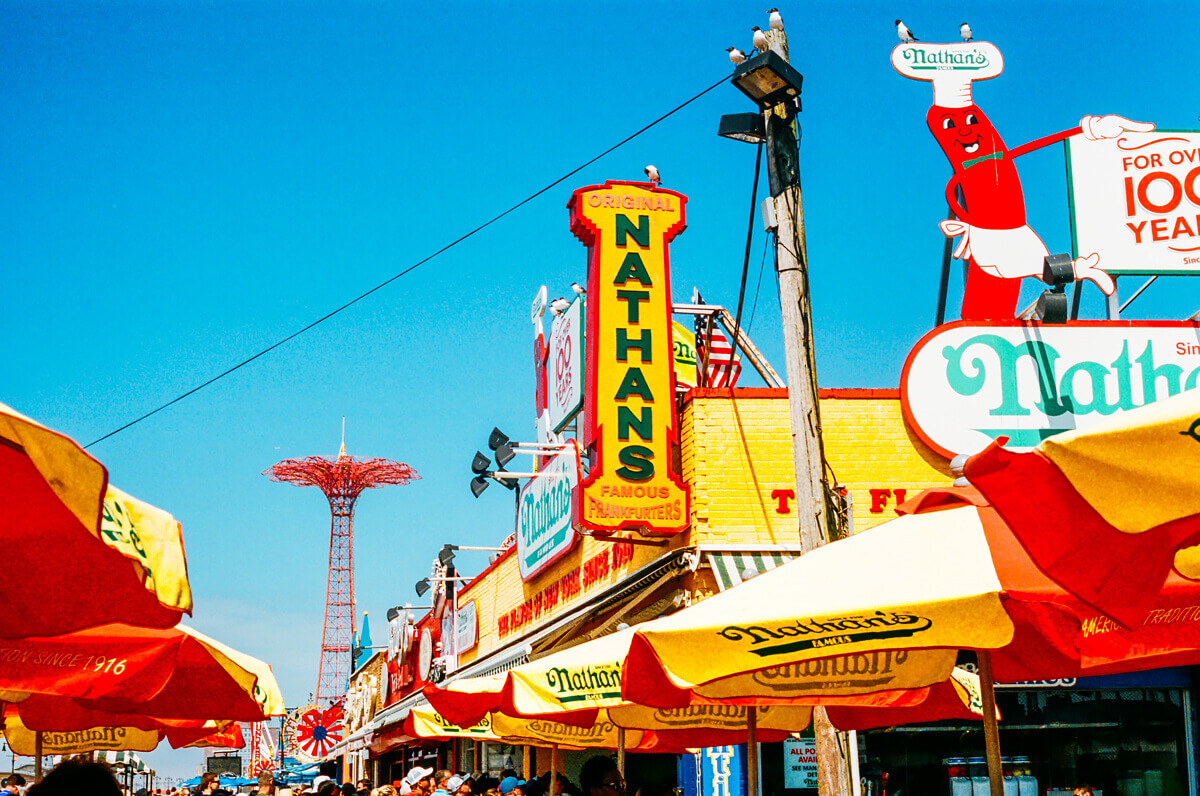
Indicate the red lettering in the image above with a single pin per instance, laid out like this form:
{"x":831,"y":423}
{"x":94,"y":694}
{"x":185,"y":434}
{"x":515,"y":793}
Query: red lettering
{"x":782,"y":496}
{"x":879,"y":499}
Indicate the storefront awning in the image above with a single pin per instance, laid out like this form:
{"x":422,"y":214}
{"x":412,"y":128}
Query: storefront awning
{"x":731,"y":567}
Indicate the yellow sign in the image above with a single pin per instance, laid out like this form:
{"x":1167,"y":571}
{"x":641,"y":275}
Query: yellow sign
{"x":630,"y":391}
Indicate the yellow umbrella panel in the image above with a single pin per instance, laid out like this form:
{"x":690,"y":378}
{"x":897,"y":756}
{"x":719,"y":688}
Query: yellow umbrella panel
{"x":918,"y":582}
{"x":57,"y":506}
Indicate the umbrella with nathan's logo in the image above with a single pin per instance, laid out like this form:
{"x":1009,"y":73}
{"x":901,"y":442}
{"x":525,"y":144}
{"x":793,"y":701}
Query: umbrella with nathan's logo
{"x":87,"y":553}
{"x":571,"y":685}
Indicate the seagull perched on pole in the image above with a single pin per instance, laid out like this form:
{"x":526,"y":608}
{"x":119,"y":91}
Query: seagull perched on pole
{"x":964,"y":30}
{"x":736,"y":56}
{"x":776,"y":20}
{"x":559,"y":306}
{"x":760,"y":40}
{"x":652,"y":175}
{"x":578,"y":288}
{"x":904,"y":33}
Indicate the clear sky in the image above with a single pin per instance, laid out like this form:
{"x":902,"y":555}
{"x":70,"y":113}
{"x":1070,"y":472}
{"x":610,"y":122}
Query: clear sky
{"x":187,"y":183}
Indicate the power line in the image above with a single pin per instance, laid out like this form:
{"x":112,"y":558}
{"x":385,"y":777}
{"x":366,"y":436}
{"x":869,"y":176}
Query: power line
{"x":412,"y":267}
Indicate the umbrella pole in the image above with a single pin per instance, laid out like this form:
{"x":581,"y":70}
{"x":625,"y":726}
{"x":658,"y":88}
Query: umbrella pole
{"x":621,"y":749}
{"x":553,"y":769}
{"x":37,"y":768}
{"x":991,"y":729}
{"x":752,"y":751}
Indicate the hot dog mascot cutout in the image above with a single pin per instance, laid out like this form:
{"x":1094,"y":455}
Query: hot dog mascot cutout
{"x":997,"y":243}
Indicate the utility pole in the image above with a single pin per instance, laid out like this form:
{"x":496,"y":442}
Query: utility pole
{"x":783,"y":156}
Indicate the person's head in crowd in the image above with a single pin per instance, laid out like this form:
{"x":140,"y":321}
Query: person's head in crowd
{"x":600,"y":777}
{"x":71,"y":777}
{"x":506,"y":773}
{"x":348,"y":789}
{"x":452,"y":784}
{"x":440,"y":778}
{"x":208,"y":782}
{"x":266,"y":782}
{"x":511,"y":786}
{"x":385,"y":790}
{"x":328,"y":788}
{"x":13,"y":783}
{"x":465,"y":787}
{"x":364,"y":787}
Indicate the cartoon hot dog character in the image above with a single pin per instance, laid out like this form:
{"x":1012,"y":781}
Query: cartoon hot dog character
{"x":997,"y":243}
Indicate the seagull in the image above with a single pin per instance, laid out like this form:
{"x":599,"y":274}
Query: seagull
{"x":736,"y":56}
{"x":652,"y":174}
{"x":964,"y":30}
{"x":760,"y":40}
{"x":904,"y":33}
{"x":776,"y":20}
{"x":578,"y":288}
{"x":559,"y":306}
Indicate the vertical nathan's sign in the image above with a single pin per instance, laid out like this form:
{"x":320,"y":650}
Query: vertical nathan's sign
{"x":629,"y":401}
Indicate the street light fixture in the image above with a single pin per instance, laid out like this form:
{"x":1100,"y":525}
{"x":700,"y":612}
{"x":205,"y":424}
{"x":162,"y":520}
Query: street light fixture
{"x":768,"y":79}
{"x":446,"y":554}
{"x":746,"y":127}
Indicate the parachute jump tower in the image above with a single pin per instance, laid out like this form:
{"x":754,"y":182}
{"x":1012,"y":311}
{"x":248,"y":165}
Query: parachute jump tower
{"x":342,"y":480}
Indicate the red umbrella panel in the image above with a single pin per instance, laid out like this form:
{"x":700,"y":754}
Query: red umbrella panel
{"x":174,"y":674}
{"x":1058,"y":634}
{"x":1108,"y":512}
{"x":57,"y":506}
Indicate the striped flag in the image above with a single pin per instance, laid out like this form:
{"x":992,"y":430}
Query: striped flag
{"x":723,"y":370}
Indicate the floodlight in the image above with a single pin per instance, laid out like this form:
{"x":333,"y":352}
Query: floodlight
{"x":478,"y":484}
{"x":422,"y":587}
{"x":480,"y":464}
{"x":768,"y":79}
{"x":746,"y":127}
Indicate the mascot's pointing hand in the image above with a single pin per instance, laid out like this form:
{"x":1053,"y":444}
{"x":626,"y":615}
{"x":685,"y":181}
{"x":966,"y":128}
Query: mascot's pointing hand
{"x":1095,"y":128}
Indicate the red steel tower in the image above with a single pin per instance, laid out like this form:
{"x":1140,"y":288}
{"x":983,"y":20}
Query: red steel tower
{"x":342,"y":480}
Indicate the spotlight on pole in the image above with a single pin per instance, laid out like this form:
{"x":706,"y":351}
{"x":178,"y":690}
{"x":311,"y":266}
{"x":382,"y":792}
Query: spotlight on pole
{"x":499,"y":442}
{"x":768,"y":80}
{"x":746,"y":127}
{"x":422,"y":587}
{"x":1058,"y":271}
{"x":446,"y":554}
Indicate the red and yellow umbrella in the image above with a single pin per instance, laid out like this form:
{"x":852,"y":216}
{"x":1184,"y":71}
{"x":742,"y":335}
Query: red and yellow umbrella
{"x":176,"y":674}
{"x":1109,"y":512}
{"x":57,"y":506}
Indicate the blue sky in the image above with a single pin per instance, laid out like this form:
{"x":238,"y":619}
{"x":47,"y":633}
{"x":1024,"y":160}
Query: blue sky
{"x":186,"y":184}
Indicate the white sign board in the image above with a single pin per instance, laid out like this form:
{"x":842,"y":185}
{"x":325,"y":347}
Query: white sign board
{"x":967,"y":383}
{"x":466,"y":627}
{"x":799,"y":763}
{"x":1135,"y":201}
{"x":544,"y":532}
{"x":564,"y":366}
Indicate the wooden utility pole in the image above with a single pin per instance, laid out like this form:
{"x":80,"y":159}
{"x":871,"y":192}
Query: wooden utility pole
{"x":796,"y":309}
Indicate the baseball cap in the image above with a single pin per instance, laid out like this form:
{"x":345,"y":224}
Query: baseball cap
{"x":509,"y":784}
{"x":318,"y":781}
{"x":416,"y":774}
{"x":453,"y":784}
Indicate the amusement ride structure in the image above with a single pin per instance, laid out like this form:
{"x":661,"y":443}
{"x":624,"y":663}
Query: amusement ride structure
{"x":342,"y":480}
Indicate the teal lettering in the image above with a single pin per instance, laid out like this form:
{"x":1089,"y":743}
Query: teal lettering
{"x":1097,"y":374}
{"x":641,"y":343}
{"x":634,"y":297}
{"x":1008,"y":354}
{"x":634,"y":383}
{"x":637,"y":461}
{"x":1151,"y":374}
{"x":633,"y":268}
{"x":640,"y":233}
{"x":644,"y":426}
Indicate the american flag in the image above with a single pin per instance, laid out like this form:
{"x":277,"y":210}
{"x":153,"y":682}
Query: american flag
{"x":722,"y":371}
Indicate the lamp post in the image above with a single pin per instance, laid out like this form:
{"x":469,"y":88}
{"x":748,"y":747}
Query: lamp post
{"x":774,"y":86}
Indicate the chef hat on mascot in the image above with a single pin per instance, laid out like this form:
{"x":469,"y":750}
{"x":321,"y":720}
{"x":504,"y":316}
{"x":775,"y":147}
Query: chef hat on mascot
{"x":951,"y":68}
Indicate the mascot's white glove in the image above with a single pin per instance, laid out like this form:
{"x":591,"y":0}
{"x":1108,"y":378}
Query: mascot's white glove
{"x":1097,"y":127}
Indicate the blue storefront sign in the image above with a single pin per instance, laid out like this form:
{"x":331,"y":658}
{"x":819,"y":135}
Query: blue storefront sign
{"x":714,"y":771}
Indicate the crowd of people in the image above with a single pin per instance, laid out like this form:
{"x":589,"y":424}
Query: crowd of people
{"x":598,"y":777}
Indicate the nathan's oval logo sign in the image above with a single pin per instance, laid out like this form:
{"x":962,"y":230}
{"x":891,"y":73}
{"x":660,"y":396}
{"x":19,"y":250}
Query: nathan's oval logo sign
{"x":965,"y":384}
